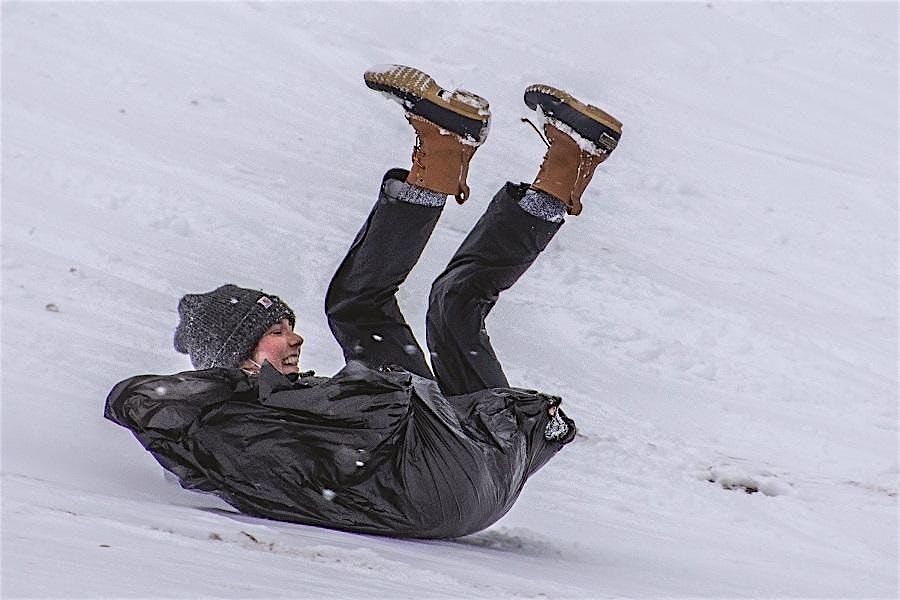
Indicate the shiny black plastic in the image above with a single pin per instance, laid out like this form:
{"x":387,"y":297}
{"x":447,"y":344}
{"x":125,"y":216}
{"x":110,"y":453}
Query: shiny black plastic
{"x":381,"y":452}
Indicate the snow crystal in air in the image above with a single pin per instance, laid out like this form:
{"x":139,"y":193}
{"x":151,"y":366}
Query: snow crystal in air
{"x":160,"y":390}
{"x":377,"y":337}
{"x":410,"y":349}
{"x":328,"y":494}
{"x":360,"y":463}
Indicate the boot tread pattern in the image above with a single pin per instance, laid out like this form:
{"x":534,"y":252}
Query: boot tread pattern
{"x":589,"y":110}
{"x":413,"y":84}
{"x":590,"y":122}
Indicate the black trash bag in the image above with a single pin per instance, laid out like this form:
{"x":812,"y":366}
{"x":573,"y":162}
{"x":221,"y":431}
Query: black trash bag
{"x":380,"y":452}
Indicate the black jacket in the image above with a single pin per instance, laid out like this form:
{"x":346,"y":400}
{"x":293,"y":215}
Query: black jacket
{"x":380,"y":452}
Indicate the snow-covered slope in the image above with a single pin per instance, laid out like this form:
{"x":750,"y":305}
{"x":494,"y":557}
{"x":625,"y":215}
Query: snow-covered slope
{"x":723,"y":314}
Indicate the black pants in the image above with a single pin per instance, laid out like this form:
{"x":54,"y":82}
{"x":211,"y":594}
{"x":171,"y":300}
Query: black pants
{"x":361,"y":302}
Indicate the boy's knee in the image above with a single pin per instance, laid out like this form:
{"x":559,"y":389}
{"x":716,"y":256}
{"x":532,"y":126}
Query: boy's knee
{"x":447,"y":293}
{"x":444,"y":302}
{"x":455,"y":306}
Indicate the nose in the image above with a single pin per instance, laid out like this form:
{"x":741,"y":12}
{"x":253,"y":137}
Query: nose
{"x":296,"y":339}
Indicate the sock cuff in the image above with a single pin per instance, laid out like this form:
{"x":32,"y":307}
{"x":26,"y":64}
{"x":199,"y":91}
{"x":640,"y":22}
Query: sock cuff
{"x":407,"y":192}
{"x":543,"y":206}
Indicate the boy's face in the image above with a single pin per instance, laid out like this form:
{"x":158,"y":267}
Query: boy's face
{"x":280,"y":346}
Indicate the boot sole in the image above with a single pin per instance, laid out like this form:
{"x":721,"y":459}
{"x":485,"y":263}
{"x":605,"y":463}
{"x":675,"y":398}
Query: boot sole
{"x":462,"y":113}
{"x":590,"y":122}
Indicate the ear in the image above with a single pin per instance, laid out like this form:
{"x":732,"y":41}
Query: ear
{"x":250,"y":365}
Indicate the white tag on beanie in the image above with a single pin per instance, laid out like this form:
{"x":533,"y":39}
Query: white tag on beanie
{"x":264,"y":300}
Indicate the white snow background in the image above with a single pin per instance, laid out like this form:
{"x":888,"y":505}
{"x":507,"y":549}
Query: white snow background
{"x":722,"y":318}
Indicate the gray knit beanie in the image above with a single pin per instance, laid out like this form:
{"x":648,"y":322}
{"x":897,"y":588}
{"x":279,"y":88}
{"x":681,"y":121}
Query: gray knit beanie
{"x":221,"y":328}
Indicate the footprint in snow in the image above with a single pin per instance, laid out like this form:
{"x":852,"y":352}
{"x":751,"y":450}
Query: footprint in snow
{"x":746,"y":479}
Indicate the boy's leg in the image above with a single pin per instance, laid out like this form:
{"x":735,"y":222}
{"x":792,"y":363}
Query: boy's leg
{"x":517,"y":226}
{"x":361,"y":302}
{"x":499,"y":249}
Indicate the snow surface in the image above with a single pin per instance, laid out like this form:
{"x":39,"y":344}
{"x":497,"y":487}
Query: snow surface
{"x":721,"y":318}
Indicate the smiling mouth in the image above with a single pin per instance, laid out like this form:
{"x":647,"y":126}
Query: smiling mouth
{"x":291,"y":361}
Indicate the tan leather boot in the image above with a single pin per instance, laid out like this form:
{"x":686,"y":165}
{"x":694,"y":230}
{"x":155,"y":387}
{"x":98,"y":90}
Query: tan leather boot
{"x":567,"y":169}
{"x":440,"y":159}
{"x":449,"y":125}
{"x":580,"y":136}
